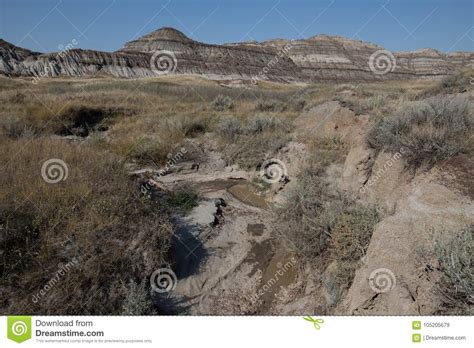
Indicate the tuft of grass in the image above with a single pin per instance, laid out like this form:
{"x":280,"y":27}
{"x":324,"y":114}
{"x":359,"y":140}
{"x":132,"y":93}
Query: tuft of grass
{"x":426,"y":131}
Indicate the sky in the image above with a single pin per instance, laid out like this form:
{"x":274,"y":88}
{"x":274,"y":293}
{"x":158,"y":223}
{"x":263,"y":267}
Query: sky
{"x":398,"y":25}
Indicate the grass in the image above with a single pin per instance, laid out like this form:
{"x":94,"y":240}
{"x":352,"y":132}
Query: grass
{"x":428,"y":131}
{"x":269,"y":105}
{"x":182,"y":200}
{"x":96,"y":216}
{"x":119,"y":236}
{"x":454,"y":250}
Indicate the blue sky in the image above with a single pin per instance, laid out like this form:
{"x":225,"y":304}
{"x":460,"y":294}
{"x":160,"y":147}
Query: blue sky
{"x":400,"y":25}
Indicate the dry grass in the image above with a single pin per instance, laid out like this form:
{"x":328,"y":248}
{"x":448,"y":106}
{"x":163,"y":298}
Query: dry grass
{"x":97,"y":217}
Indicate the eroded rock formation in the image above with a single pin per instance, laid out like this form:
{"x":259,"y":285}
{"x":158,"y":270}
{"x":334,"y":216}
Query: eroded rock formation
{"x":319,"y":58}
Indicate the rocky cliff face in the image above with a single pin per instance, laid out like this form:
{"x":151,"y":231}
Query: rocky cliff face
{"x":320,"y":58}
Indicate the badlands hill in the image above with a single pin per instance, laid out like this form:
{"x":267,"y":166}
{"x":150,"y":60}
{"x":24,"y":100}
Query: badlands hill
{"x":319,"y":58}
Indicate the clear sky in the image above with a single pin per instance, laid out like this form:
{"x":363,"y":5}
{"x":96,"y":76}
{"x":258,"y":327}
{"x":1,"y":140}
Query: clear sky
{"x":398,"y":25}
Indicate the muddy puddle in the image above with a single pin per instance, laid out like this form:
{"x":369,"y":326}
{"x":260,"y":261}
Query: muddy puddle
{"x":244,"y":194}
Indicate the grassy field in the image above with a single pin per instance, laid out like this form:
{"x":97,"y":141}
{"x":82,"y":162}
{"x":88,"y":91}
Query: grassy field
{"x":97,"y":213}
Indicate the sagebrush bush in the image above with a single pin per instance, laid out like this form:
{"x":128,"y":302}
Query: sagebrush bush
{"x":426,"y":131}
{"x":137,"y":300}
{"x":222,"y":103}
{"x":454,"y":250}
{"x":230,"y":127}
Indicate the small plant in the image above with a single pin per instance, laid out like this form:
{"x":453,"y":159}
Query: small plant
{"x":222,"y":103}
{"x":183,"y":200}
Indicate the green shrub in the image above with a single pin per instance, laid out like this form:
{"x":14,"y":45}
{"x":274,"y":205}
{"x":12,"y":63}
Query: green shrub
{"x":426,"y":131}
